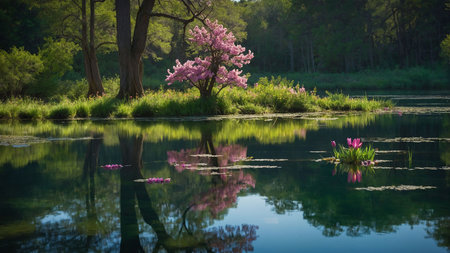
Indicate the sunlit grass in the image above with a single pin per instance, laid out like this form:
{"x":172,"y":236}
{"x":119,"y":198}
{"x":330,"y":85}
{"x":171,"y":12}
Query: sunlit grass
{"x":269,"y":96}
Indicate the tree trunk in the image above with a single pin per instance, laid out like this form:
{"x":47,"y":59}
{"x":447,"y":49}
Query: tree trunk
{"x":89,"y":51}
{"x":130,"y":52}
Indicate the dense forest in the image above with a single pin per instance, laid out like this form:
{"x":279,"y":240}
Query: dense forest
{"x":72,"y":44}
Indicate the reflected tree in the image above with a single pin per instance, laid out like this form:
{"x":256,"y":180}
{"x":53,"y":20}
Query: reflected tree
{"x":238,"y":238}
{"x":89,"y":171}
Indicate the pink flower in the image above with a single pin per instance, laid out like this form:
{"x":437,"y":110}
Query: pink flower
{"x":333,"y":144}
{"x":356,"y":143}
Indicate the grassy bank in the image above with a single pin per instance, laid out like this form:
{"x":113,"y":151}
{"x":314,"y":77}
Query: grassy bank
{"x":270,"y":96}
{"x":417,"y":78}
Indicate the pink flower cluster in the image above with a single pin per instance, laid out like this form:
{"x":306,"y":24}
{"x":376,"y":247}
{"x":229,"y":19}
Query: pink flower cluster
{"x":158,"y":180}
{"x":356,"y":143}
{"x":112,"y":166}
{"x":297,"y":90}
{"x":222,"y":51}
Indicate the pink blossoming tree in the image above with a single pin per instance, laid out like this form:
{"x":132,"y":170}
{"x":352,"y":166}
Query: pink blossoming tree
{"x":222,"y":54}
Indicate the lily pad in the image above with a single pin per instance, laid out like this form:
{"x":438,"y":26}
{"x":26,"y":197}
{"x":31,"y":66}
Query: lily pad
{"x":396,"y":188}
{"x":19,"y":141}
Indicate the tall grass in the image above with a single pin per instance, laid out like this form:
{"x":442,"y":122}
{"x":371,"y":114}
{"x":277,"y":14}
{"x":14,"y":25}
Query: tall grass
{"x":275,"y":95}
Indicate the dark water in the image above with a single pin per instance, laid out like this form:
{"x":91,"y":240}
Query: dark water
{"x":261,"y":188}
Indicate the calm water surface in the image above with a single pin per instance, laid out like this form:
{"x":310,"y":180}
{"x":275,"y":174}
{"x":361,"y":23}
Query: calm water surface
{"x":236,"y":185}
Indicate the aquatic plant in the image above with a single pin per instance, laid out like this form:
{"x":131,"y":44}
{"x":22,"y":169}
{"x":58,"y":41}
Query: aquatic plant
{"x":354,"y":154}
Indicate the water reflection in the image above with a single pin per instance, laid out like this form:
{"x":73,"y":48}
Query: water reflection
{"x":225,"y":184}
{"x":56,"y":197}
{"x":89,"y":170}
{"x":132,"y":193}
{"x":354,"y":172}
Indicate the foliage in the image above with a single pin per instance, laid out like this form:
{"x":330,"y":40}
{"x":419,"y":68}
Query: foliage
{"x":445,"y":48}
{"x":57,"y":57}
{"x":344,"y":36}
{"x":18,"y":69}
{"x":221,"y":52}
{"x":21,"y":25}
{"x":381,"y":79}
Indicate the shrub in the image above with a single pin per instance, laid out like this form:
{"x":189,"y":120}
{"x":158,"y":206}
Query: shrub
{"x":18,"y":69}
{"x":143,"y":108}
{"x":81,"y":110}
{"x":64,"y":111}
{"x":29,"y":113}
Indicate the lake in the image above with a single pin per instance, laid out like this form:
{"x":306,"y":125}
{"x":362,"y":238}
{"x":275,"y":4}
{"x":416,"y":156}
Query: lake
{"x":237,"y":184}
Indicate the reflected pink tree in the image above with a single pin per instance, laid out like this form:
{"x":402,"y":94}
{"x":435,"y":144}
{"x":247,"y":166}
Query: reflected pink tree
{"x":224,"y":193}
{"x":225,"y":184}
{"x":197,"y":157}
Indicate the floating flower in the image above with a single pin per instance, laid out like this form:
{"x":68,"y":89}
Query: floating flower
{"x":112,"y":166}
{"x":333,"y":144}
{"x":157,"y":180}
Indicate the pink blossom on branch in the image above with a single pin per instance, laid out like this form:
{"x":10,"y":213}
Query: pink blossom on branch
{"x":223,"y":53}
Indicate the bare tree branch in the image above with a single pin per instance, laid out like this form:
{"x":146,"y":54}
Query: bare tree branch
{"x":76,"y":4}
